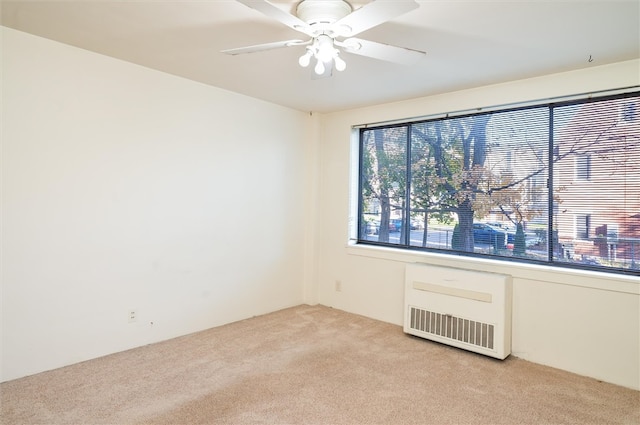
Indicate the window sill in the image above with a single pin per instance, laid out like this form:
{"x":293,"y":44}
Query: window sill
{"x":581,"y":278}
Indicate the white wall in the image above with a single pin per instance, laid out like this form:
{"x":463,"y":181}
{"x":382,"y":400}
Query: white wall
{"x":126,"y":188}
{"x":588,"y":323}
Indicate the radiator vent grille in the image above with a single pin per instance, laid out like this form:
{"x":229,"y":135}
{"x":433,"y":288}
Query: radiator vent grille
{"x":455,"y":328}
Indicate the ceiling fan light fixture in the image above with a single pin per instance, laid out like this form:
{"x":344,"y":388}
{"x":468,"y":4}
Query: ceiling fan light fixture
{"x":324,"y":51}
{"x":305,"y":59}
{"x":319,"y":68}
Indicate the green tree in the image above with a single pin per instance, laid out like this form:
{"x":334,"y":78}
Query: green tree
{"x":384,"y":174}
{"x":453,"y":169}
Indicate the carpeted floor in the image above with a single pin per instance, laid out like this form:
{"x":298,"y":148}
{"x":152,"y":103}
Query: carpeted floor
{"x":311,"y":365}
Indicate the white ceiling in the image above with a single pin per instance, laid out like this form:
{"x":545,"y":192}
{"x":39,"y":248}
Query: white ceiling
{"x":468,"y":43}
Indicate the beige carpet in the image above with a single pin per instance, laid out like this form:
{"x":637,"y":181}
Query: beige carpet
{"x":311,"y":365}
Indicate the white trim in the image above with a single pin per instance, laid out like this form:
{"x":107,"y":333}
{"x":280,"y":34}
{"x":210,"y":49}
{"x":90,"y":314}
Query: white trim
{"x":354,"y":183}
{"x":581,"y":278}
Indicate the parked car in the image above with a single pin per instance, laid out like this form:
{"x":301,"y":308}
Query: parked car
{"x":510,"y":230}
{"x":372,"y":227}
{"x":395,"y":225}
{"x":486,"y":233}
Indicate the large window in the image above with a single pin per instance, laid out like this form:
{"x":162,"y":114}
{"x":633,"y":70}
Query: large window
{"x":556,"y":183}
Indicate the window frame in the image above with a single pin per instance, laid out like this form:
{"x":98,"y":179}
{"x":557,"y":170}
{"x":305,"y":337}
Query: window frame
{"x":551,"y":261}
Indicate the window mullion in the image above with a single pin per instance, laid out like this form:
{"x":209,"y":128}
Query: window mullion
{"x":407,"y":195}
{"x":551,"y":236}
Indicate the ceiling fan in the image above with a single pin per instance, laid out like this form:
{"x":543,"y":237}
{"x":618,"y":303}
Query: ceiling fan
{"x":331,"y":25}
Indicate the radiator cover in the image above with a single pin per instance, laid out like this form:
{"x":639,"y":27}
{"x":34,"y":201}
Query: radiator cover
{"x":463,"y":308}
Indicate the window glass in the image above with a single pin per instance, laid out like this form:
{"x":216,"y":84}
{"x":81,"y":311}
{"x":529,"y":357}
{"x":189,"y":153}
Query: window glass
{"x":597,"y":218}
{"x":383,"y":184}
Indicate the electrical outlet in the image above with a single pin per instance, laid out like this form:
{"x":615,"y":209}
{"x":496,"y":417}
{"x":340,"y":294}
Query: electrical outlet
{"x":133,"y":316}
{"x":338,"y":286}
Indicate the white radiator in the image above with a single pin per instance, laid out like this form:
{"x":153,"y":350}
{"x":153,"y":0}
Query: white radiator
{"x":464,"y":308}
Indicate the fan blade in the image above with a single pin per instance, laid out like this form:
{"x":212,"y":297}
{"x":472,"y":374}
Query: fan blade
{"x":278,"y":14}
{"x":381,"y":51}
{"x":265,"y":46}
{"x":371,"y":15}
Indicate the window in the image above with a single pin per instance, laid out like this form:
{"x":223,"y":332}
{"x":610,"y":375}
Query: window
{"x":628,"y":113}
{"x":583,"y":167}
{"x":583,"y":226}
{"x":507,"y":184}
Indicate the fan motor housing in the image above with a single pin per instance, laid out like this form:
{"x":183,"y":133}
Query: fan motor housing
{"x":315,"y":12}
